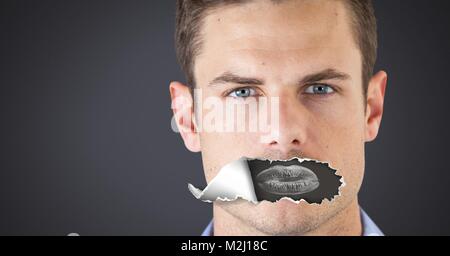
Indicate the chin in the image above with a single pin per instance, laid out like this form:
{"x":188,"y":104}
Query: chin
{"x":283,"y":217}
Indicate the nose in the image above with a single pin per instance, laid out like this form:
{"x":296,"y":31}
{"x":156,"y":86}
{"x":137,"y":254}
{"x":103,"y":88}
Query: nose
{"x":289,"y":134}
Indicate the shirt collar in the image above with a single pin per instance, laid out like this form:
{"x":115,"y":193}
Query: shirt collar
{"x":369,"y":227}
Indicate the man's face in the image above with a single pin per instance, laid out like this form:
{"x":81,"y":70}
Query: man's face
{"x":281,"y":44}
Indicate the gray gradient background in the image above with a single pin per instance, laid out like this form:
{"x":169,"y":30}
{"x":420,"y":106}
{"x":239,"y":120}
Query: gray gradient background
{"x":86,"y":144}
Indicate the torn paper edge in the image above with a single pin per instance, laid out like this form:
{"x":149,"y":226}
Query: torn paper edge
{"x":249,"y":195}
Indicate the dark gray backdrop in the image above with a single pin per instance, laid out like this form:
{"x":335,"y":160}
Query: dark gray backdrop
{"x":86,"y":144}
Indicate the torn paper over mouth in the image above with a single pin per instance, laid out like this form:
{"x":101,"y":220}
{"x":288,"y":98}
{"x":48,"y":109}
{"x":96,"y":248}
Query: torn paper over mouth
{"x":257,"y":180}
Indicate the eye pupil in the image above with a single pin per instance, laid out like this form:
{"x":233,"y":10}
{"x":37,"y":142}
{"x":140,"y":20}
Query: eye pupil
{"x":243,"y":92}
{"x":320,"y":89}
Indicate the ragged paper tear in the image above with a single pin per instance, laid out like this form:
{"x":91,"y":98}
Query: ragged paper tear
{"x":257,"y":180}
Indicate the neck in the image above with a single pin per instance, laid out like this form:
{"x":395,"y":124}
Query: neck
{"x":346,"y":223}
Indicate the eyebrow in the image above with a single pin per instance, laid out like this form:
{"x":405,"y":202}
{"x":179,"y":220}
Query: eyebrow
{"x":327,"y":74}
{"x":228,"y":77}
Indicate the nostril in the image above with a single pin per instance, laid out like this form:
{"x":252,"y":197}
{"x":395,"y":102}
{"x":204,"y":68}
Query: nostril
{"x":295,"y":142}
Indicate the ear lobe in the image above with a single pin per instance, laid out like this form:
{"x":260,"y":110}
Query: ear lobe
{"x":182,"y":106}
{"x":375,"y":104}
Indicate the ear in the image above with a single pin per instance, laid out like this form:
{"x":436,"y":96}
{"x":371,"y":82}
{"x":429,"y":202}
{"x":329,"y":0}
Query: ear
{"x":375,"y":102}
{"x":182,"y":106}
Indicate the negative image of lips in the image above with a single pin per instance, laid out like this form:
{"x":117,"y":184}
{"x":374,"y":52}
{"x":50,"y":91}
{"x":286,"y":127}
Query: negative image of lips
{"x":287,"y":180}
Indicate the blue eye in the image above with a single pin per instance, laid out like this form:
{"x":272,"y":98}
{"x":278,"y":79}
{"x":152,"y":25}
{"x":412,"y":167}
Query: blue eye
{"x":242,"y":93}
{"x":319,"y":89}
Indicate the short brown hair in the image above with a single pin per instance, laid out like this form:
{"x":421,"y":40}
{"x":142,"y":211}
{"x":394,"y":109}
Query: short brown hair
{"x":189,"y":15}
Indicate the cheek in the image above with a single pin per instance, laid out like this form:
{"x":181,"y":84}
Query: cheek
{"x":221,"y":144}
{"x":229,"y":129}
{"x":340,"y":135}
{"x":219,"y":149}
{"x":226,"y":144}
{"x":340,"y":120}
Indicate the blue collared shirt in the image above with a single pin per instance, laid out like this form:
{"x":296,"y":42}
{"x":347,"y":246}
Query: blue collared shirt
{"x":369,"y":227}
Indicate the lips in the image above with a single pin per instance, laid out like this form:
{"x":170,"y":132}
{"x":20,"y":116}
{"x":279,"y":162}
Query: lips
{"x":287,"y":180}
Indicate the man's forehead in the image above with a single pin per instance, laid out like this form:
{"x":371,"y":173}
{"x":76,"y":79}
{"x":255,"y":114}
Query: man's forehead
{"x":286,"y":34}
{"x":265,"y":24}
